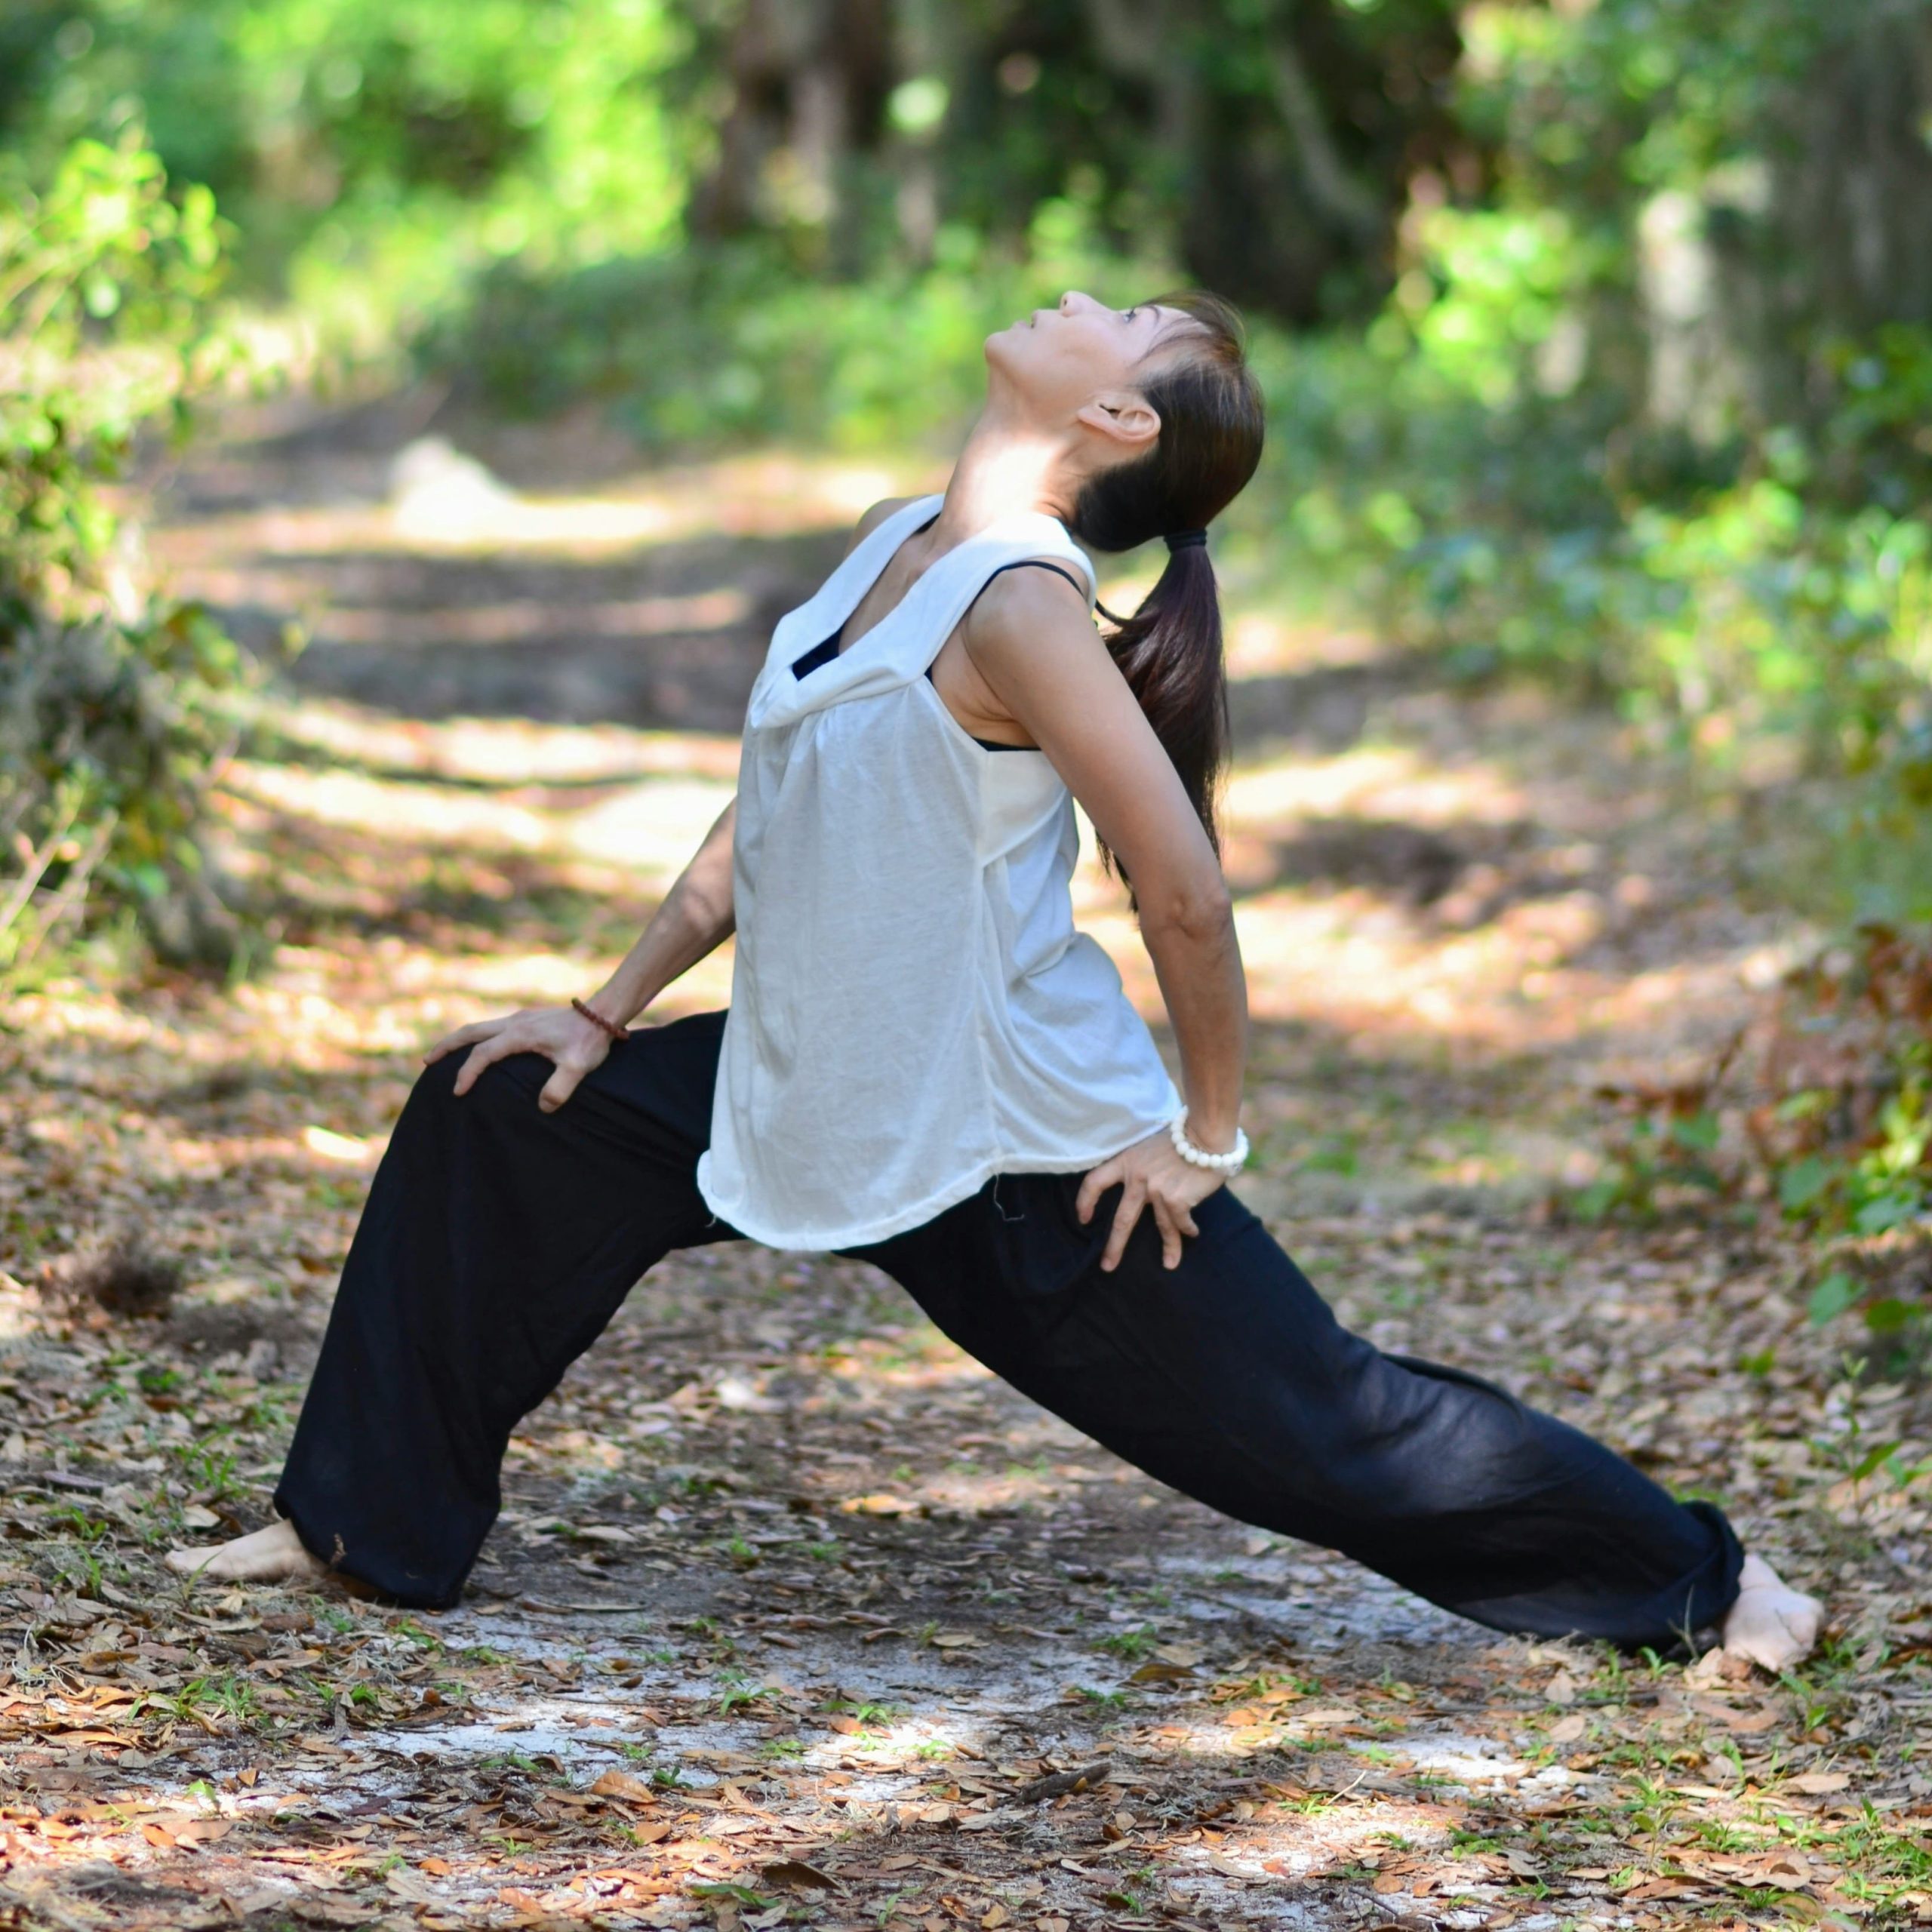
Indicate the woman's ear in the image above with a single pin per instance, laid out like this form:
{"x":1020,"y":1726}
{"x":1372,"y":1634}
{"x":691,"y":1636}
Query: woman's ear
{"x":1123,"y":417}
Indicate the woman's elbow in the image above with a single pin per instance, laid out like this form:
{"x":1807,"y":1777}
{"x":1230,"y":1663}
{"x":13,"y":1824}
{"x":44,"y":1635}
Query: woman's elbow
{"x":1199,"y":910}
{"x":705,"y":902}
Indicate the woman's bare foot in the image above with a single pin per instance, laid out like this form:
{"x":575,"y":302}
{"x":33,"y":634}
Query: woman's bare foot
{"x":272,"y":1555}
{"x":1772,"y":1624}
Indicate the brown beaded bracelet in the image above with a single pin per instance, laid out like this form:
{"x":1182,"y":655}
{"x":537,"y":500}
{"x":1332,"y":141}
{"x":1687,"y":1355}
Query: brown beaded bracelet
{"x":610,"y":1027}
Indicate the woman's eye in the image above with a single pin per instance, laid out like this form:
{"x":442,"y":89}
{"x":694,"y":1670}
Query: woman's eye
{"x":1131,"y":314}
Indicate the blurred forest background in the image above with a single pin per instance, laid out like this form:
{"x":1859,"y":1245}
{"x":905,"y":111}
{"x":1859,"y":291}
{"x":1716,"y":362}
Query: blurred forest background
{"x":414,"y":415}
{"x":1597,"y":335}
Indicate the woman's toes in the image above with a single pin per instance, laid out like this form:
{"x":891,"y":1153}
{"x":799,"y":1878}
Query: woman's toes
{"x":1766,"y":1638}
{"x":1772,"y":1624}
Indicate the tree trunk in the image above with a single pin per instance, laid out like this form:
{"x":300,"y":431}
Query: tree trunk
{"x":808,"y":81}
{"x":1832,"y":235}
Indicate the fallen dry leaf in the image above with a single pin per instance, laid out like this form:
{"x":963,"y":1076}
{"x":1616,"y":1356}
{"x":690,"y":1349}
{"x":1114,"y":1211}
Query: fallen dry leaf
{"x":622,"y":1785}
{"x":797,"y":1873}
{"x":330,"y":1911}
{"x":1161,"y":1673}
{"x":880,"y":1504}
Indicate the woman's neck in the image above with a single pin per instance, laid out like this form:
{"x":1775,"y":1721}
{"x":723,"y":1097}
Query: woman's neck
{"x":1006,"y":466}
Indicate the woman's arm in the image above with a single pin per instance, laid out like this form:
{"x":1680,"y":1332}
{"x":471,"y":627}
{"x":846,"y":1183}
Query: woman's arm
{"x":695,"y":918}
{"x":1030,"y":637}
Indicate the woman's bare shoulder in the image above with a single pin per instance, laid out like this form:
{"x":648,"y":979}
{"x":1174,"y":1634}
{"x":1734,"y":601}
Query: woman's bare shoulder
{"x":1032,"y":640}
{"x":1019,"y":609}
{"x":873,"y":517}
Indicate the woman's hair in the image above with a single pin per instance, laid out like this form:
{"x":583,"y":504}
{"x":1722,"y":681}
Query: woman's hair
{"x":1170,"y":649}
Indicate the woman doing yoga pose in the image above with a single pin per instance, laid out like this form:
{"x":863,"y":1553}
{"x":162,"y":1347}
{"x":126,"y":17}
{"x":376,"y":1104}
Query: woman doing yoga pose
{"x":925,"y":1064}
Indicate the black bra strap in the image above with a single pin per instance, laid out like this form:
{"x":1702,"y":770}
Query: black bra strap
{"x":1039,"y":564}
{"x":823,"y":653}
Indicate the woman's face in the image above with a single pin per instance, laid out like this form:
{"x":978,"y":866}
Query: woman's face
{"x":1057,"y":359}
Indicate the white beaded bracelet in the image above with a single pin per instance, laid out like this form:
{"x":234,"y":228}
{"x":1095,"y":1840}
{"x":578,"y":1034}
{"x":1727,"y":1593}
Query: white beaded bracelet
{"x":1231,"y":1162}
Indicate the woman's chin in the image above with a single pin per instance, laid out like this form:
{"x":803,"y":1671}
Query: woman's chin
{"x":1005,"y":346}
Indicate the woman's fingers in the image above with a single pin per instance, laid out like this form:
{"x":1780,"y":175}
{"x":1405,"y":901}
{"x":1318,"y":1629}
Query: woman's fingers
{"x":1098,"y":1180}
{"x":1175,"y":1220}
{"x":562,"y":1084}
{"x":463,"y":1036}
{"x":1143,"y":1175}
{"x":485,"y":1052}
{"x":1134,"y":1197}
{"x":572,"y":1046}
{"x":1164,"y":1219}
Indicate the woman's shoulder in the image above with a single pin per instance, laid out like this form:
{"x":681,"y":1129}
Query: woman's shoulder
{"x":886,"y":506}
{"x":1033,"y":609}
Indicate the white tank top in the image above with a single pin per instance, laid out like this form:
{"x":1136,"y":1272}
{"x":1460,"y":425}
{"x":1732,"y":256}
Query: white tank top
{"x":912,"y":1010}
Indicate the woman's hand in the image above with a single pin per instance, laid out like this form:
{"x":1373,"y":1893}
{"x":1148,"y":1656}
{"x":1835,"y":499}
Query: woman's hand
{"x":572,"y":1043}
{"x":1155,"y":1177}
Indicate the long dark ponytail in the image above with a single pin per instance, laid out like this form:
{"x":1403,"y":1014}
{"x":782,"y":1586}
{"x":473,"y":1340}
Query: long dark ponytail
{"x":1169,"y":651}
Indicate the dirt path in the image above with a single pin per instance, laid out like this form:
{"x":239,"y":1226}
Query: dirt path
{"x":794,"y":1615}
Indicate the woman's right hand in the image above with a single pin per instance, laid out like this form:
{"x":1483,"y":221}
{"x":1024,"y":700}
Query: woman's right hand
{"x":573,"y":1045}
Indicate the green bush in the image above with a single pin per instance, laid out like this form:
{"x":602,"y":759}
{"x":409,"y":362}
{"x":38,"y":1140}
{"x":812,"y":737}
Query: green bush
{"x":1609,"y":427}
{"x":115,"y":709}
{"x":727,"y":342}
{"x":373,"y":154}
{"x":1815,"y":1122}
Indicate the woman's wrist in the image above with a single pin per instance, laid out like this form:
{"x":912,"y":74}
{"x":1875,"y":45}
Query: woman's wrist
{"x":1190,"y":1145}
{"x":617,"y":1001}
{"x":1212,"y":1133}
{"x":600,"y":1011}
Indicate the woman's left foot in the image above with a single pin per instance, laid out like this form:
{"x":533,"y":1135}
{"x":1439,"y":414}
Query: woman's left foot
{"x":1772,"y":1624}
{"x":272,"y":1555}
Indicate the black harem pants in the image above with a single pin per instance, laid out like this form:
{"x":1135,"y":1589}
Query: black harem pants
{"x":498,"y":1240}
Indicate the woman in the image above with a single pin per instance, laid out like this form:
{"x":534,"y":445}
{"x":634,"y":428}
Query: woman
{"x":925,"y":1065}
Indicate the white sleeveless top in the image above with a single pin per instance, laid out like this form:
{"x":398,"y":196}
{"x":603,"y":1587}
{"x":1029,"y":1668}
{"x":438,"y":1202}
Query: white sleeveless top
{"x":912,"y":1010}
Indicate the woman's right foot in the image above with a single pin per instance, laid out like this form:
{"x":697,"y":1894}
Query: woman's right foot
{"x":272,"y":1555}
{"x":1772,"y":1624}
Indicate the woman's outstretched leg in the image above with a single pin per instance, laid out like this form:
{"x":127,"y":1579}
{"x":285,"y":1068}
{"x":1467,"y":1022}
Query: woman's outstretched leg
{"x":497,"y":1242}
{"x":1229,"y":1379}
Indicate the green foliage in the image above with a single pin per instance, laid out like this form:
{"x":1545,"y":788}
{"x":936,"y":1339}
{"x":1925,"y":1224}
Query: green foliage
{"x":1815,"y":1122}
{"x":374,"y":153}
{"x":722,"y":342}
{"x":114,"y":709}
{"x":1619,"y":424}
{"x":378,"y":153}
{"x":1625,"y":419}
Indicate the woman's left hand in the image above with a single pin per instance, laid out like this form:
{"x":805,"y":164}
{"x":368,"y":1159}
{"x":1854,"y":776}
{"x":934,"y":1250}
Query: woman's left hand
{"x":574,"y":1045}
{"x":1154,"y":1176}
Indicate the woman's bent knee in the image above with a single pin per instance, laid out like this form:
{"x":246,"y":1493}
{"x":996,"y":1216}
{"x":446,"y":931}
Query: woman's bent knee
{"x":515,"y":1081}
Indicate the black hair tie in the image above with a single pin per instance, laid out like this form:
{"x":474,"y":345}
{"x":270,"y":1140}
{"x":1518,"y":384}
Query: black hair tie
{"x":1187,"y":539}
